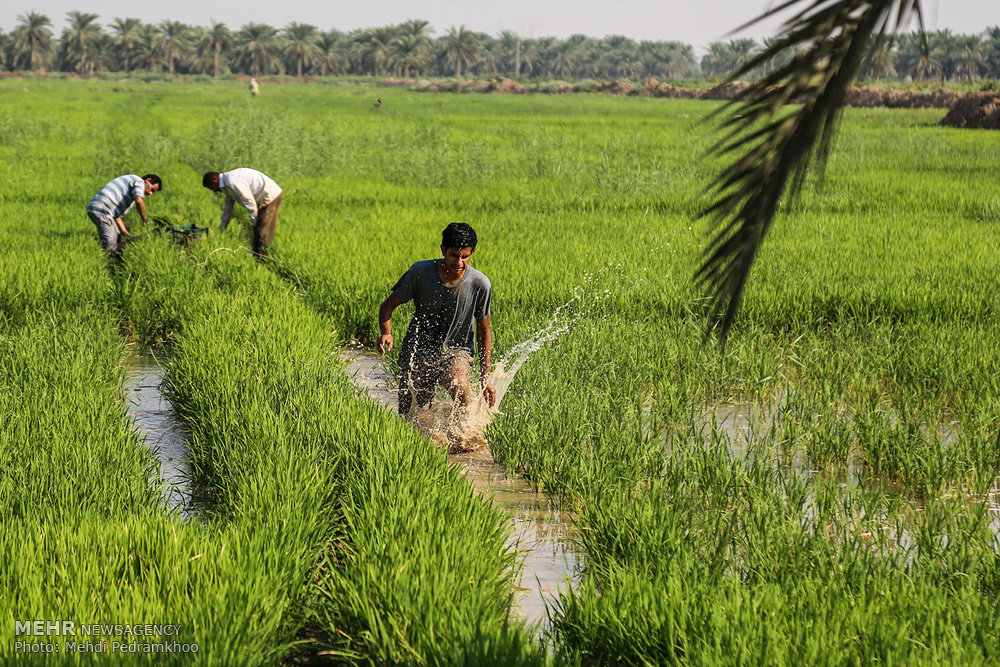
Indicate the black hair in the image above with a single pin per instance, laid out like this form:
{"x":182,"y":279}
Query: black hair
{"x":209,"y":177}
{"x":154,"y":180}
{"x":458,"y":235}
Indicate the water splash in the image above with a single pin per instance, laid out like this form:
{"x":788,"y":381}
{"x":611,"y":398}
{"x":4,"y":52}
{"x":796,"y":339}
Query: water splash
{"x":544,"y":536}
{"x":462,"y":428}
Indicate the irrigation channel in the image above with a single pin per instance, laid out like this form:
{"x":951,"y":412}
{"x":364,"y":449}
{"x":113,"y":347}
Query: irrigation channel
{"x":164,"y":431}
{"x":543,"y":534}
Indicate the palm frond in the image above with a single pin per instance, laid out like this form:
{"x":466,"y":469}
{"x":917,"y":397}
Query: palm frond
{"x":773,"y":143}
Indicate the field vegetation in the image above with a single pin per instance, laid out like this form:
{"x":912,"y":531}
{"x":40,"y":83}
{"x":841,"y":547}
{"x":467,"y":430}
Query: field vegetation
{"x":853,"y":519}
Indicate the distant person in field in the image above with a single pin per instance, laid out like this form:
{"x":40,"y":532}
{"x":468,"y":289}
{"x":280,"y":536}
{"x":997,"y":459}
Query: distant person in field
{"x":452,"y":306}
{"x":107,"y":208}
{"x":257,"y":193}
{"x":254,"y":88}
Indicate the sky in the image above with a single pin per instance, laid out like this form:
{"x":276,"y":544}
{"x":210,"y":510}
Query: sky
{"x":695,"y":22}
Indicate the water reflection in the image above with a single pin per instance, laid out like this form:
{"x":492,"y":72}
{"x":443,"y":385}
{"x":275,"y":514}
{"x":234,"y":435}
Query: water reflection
{"x":163,"y":431}
{"x":543,"y":535}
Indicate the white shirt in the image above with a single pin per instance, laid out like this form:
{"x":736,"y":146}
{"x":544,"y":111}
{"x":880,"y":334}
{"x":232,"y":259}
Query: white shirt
{"x":250,"y":188}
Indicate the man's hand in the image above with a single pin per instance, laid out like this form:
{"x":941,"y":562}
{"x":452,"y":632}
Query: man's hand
{"x":385,"y":343}
{"x":489,"y":393}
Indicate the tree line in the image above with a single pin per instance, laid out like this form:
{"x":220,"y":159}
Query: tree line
{"x":410,"y":49}
{"x":936,"y":56}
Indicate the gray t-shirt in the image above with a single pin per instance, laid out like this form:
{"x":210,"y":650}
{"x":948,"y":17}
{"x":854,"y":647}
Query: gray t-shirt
{"x":443,"y":321}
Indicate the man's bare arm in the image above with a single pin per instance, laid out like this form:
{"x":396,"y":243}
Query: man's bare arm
{"x":140,"y":205}
{"x":385,"y":341}
{"x":227,"y":213}
{"x":484,"y":346}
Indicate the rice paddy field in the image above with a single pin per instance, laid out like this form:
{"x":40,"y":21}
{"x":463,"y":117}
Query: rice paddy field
{"x":821,"y":490}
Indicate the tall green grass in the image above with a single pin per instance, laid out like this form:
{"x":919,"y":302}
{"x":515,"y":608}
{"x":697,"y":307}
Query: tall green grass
{"x":851,"y":527}
{"x":385,"y":552}
{"x":323,"y":505}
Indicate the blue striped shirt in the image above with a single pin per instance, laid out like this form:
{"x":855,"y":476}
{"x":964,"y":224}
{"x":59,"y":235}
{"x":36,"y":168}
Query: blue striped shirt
{"x":118,"y":196}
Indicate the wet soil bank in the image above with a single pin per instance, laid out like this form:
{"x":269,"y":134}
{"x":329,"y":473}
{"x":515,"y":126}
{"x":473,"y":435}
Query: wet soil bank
{"x":543,"y":535}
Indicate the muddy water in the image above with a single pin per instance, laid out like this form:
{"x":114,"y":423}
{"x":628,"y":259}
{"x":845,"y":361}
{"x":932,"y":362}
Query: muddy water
{"x":164,"y":432}
{"x":542,"y":534}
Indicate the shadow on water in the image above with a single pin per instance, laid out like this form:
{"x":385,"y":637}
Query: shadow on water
{"x":163,"y":431}
{"x":544,"y":536}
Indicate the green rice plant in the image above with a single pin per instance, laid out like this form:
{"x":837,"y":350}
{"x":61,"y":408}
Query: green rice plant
{"x":852,"y":524}
{"x":411,"y":554}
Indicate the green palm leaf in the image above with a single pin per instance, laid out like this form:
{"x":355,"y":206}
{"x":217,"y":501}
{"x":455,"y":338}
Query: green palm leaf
{"x":771,"y":143}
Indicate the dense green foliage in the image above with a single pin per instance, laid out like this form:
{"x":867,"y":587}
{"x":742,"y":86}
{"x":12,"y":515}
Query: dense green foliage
{"x":851,"y":523}
{"x":411,"y":48}
{"x":332,"y":524}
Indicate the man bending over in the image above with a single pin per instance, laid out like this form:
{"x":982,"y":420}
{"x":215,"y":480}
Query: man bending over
{"x":107,"y":208}
{"x":449,"y":296}
{"x":257,"y":193}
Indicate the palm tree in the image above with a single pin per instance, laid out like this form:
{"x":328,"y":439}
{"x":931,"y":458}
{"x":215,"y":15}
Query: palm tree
{"x":770,"y":144}
{"x":302,"y":44}
{"x":509,"y":45}
{"x":415,"y":42}
{"x":410,"y":54}
{"x":257,"y":49}
{"x":333,"y":53}
{"x":716,"y":61}
{"x":623,"y":57}
{"x":969,"y":59}
{"x":488,"y":61}
{"x":878,"y":65}
{"x":725,"y":57}
{"x":991,"y":52}
{"x":215,"y":40}
{"x":31,"y":41}
{"x":371,"y":49}
{"x":81,"y":41}
{"x":565,"y":57}
{"x":461,"y":46}
{"x":127,"y":39}
{"x":417,"y":28}
{"x":105,"y":57}
{"x":173,"y":41}
{"x":148,"y":54}
{"x":528,"y":58}
{"x":682,"y":61}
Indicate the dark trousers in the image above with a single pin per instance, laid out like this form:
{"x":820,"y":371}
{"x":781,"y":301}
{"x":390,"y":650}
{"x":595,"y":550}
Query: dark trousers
{"x":263,"y":230}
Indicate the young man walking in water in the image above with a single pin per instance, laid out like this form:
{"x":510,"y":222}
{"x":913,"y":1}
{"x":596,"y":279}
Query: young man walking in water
{"x":450,"y":297}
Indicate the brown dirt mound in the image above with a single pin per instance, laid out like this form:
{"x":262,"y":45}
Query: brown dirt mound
{"x":613,"y":87}
{"x":975,"y":110}
{"x":870,"y":96}
{"x":505,"y":85}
